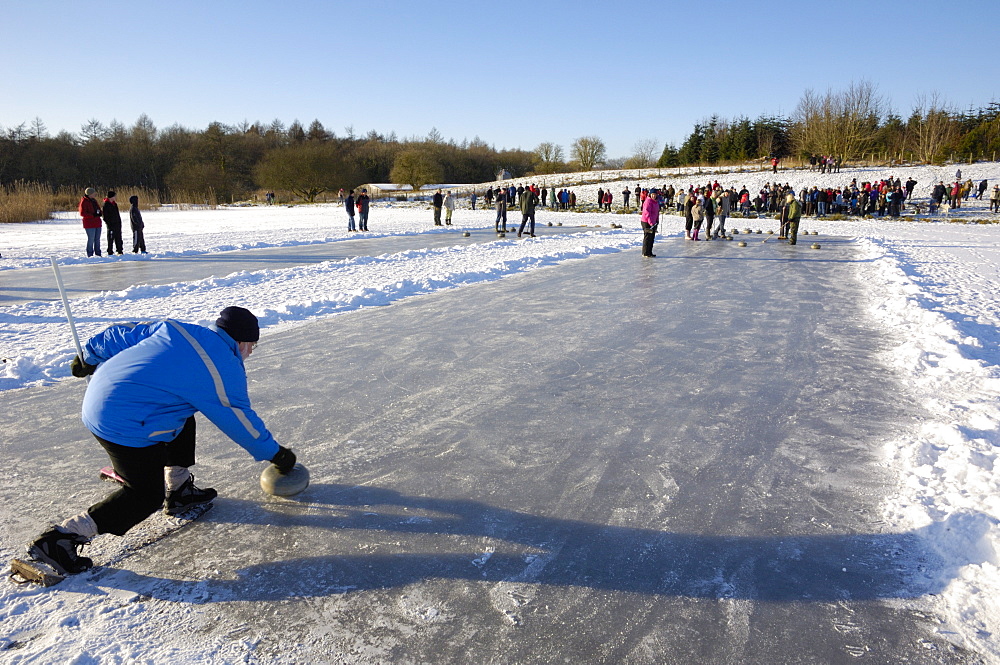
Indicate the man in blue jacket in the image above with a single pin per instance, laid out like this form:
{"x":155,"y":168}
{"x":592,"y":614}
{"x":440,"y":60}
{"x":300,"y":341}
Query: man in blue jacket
{"x":149,"y":379}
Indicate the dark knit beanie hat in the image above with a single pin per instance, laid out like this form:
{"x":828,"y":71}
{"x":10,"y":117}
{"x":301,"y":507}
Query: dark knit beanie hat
{"x":239,"y":323}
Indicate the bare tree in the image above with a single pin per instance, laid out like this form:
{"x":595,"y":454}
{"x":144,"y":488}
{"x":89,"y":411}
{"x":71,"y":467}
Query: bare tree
{"x":645,"y":152}
{"x":38,"y":129}
{"x":932,"y":126}
{"x":843,"y":123}
{"x":588,"y":152}
{"x":548,"y":158}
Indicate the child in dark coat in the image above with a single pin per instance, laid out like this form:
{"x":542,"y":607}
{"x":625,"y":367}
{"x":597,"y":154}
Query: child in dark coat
{"x":135,"y":217}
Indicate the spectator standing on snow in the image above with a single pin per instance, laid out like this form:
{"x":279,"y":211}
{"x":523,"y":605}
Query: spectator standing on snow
{"x":501,"y":223}
{"x":910,"y":184}
{"x":689,"y":202}
{"x":528,"y":202}
{"x":649,"y":221}
{"x":349,"y":207}
{"x":472,"y":199}
{"x":956,"y":195}
{"x":697,"y":214}
{"x":113,"y":222}
{"x":600,"y":199}
{"x":722,"y":209}
{"x":449,"y":206}
{"x":625,"y":196}
{"x":149,"y":379}
{"x":982,"y":189}
{"x":896,"y":198}
{"x":90,"y":211}
{"x":135,"y":219}
{"x":363,"y":204}
{"x":437,"y":201}
{"x":709,"y":204}
{"x":995,"y":199}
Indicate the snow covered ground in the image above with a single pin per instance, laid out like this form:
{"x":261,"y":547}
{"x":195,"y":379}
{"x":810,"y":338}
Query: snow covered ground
{"x":932,"y":285}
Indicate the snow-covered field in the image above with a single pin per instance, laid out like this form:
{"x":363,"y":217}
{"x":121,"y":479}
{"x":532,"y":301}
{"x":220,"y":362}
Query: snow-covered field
{"x":931,"y":284}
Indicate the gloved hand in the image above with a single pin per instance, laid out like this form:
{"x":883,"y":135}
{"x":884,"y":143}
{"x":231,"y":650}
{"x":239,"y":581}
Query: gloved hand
{"x":284,"y":459}
{"x":81,"y":369}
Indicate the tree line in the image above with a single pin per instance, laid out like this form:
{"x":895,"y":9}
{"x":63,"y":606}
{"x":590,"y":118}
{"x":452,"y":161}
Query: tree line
{"x":230,"y":162}
{"x":850,"y":124}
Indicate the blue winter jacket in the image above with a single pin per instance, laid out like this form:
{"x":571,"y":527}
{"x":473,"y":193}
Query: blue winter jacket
{"x":152,"y":377}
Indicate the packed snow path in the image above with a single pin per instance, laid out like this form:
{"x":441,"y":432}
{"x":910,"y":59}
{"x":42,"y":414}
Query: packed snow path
{"x":81,"y":278}
{"x":613,"y":460}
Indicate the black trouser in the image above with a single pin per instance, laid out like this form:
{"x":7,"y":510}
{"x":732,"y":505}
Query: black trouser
{"x":115,"y":237}
{"x":525,"y":218}
{"x":138,"y":241}
{"x":142,"y":468}
{"x":648,"y":235}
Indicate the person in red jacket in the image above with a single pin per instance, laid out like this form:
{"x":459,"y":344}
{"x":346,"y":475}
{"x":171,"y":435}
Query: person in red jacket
{"x":90,"y":210}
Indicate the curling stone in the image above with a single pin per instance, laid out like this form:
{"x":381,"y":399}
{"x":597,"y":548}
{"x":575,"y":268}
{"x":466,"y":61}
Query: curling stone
{"x":466,"y":234}
{"x":558,"y":223}
{"x":501,"y":234}
{"x":736,"y":232}
{"x":742,"y":243}
{"x":747,"y":231}
{"x":759,"y":231}
{"x":815,"y":233}
{"x":815,"y":245}
{"x":729,"y":237}
{"x":550,"y":223}
{"x":770,"y":232}
{"x":276,"y":483}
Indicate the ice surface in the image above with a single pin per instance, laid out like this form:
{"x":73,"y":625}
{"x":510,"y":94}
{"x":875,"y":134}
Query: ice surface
{"x":539,"y":450}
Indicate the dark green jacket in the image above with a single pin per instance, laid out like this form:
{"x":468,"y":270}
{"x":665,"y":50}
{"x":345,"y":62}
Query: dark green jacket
{"x":528,"y":202}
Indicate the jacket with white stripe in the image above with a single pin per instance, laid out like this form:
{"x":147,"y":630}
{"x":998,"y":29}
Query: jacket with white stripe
{"x":152,"y":377}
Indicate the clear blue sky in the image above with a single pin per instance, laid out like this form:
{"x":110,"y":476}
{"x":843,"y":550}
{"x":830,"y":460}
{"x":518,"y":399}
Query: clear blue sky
{"x":513,"y":73}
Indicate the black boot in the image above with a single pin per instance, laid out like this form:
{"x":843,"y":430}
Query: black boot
{"x":58,"y":549}
{"x":186,"y":497}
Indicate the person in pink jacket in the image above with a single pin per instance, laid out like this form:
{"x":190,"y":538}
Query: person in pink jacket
{"x":90,"y":210}
{"x":650,"y":220}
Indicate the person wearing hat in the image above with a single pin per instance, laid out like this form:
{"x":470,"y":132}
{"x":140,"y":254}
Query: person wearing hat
{"x":90,"y":210}
{"x":148,"y":380}
{"x":650,"y":219}
{"x":995,"y":199}
{"x":135,"y":219}
{"x":113,"y":221}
